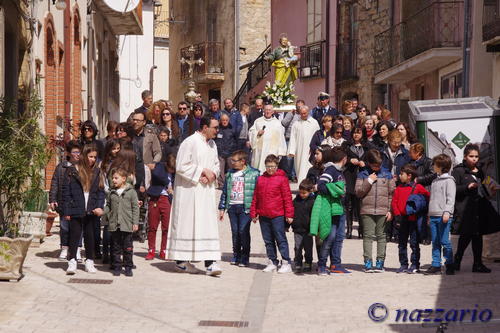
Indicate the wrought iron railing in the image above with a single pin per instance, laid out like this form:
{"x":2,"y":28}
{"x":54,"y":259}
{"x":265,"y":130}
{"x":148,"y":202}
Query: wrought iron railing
{"x":436,"y":26}
{"x":312,"y":60}
{"x":346,"y":61}
{"x":257,"y":71}
{"x":213,"y":59}
{"x":491,"y":19}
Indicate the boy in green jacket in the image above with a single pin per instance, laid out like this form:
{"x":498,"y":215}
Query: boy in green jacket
{"x":122,"y":212}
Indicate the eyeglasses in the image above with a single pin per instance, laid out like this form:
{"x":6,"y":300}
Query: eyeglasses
{"x":88,"y":129}
{"x":120,"y":130}
{"x":166,"y":114}
{"x":338,"y":132}
{"x":137,"y":120}
{"x":182,"y":108}
{"x":271,"y":167}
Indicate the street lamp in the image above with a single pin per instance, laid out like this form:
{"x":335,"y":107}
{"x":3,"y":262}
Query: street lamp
{"x":60,"y":4}
{"x":157,"y":8}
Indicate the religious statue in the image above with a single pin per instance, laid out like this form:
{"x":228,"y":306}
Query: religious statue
{"x":284,"y":61}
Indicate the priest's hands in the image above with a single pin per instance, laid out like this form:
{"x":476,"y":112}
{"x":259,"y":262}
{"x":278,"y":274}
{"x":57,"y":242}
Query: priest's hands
{"x":209,"y":175}
{"x":260,"y":133}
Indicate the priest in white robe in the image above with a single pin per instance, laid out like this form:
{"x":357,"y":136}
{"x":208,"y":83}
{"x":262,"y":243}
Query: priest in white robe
{"x":266,"y":136}
{"x":300,"y":138}
{"x":193,"y":233}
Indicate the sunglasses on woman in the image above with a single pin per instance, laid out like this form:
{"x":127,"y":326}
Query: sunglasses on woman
{"x":166,"y":114}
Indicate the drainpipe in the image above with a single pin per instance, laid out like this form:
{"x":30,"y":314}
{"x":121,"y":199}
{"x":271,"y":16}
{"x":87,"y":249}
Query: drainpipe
{"x":466,"y":49}
{"x":236,"y":48}
{"x":67,"y":71}
{"x":90,"y":62}
{"x":327,"y":62}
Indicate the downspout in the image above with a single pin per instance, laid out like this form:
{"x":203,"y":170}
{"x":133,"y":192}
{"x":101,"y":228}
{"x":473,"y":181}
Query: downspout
{"x":466,"y":49}
{"x":236,"y":48}
{"x":67,"y":72}
{"x":327,"y":62}
{"x":90,"y":62}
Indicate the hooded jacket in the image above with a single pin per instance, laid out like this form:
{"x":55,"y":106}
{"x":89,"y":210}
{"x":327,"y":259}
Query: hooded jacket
{"x":98,"y":143}
{"x":443,"y":191}
{"x":302,"y":210}
{"x":402,"y":157}
{"x":122,"y":210}
{"x":73,"y":195}
{"x":326,"y":206}
{"x":250,"y":175}
{"x":272,"y":196}
{"x":375,"y":197}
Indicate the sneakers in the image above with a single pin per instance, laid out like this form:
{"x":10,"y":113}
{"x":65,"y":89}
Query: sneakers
{"x":181,"y":268}
{"x":270,"y":268}
{"x":433,"y":270}
{"x":64,"y":253}
{"x":162,"y":255}
{"x":338,"y":269}
{"x":71,"y":270}
{"x":89,"y":266}
{"x":234,"y":261}
{"x":307,"y":268}
{"x":402,"y":269}
{"x":298,"y":269}
{"x":379,"y":266}
{"x":368,"y":266}
{"x":214,"y":270}
{"x":413,"y":270}
{"x":79,"y":255}
{"x":244,"y":263}
{"x":128,"y":272}
{"x":450,"y":269}
{"x":322,"y":271}
{"x":285,"y":268}
{"x":480,"y":268}
{"x":117,"y":271}
{"x":151,"y":254}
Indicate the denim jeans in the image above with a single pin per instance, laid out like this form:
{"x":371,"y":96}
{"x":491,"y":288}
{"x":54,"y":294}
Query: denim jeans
{"x":273,"y":232}
{"x":441,"y":239}
{"x":409,"y":229}
{"x":240,"y":230}
{"x":303,"y":242}
{"x":328,"y":243}
{"x":336,"y":250}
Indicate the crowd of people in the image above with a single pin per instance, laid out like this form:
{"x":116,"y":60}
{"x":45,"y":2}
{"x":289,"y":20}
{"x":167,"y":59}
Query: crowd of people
{"x":353,"y":167}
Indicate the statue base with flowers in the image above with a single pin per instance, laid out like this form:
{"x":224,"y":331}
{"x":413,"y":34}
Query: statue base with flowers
{"x":282,"y":97}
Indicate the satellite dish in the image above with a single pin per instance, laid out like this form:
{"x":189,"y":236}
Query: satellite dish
{"x":122,"y":6}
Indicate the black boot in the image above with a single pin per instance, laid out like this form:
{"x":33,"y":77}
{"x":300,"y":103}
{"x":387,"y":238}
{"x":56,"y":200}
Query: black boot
{"x":433,"y":270}
{"x":480,"y":268}
{"x":349,"y":230}
{"x":105,"y":258}
{"x":456,"y":262}
{"x":450,"y":269}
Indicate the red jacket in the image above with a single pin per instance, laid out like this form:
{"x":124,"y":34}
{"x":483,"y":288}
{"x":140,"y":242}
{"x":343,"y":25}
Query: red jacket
{"x":401,"y":195}
{"x":272,"y":196}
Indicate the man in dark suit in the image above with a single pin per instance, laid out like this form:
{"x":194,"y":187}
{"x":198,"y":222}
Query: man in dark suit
{"x":323,"y":108}
{"x":256,"y":112}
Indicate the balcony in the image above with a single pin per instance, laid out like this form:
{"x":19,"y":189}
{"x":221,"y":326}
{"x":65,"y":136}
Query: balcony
{"x":122,"y":23}
{"x":346,"y":61}
{"x":312,"y":60}
{"x":212,"y":69}
{"x":426,"y":41}
{"x":491,"y":25}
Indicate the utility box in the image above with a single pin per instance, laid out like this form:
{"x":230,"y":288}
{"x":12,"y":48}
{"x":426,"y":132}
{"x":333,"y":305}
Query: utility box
{"x":448,"y":125}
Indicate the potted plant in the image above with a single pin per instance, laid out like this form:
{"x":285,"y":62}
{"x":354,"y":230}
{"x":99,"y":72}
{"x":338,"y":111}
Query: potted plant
{"x":24,"y":154}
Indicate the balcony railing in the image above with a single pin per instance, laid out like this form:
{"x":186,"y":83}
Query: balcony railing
{"x":212,"y":68}
{"x":436,"y":26}
{"x":312,"y":60}
{"x":491,"y":19}
{"x":346,"y":61}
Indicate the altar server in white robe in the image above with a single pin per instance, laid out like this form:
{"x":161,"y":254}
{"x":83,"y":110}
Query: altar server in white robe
{"x":266,"y":136}
{"x":300,"y":138}
{"x":193,"y":233}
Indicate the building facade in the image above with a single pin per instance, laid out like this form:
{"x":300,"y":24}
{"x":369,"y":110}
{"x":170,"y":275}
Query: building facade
{"x":225,"y":34}
{"x":161,"y":50}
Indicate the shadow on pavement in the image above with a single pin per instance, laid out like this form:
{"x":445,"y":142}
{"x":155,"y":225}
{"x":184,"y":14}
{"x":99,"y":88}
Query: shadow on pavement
{"x":62,"y":265}
{"x":48,"y":254}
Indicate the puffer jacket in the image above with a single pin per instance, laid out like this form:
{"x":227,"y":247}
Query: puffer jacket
{"x":272,"y":196}
{"x":326,"y":206}
{"x":401,"y":196}
{"x":375,"y":198}
{"x":122,"y":211}
{"x":250,"y":174}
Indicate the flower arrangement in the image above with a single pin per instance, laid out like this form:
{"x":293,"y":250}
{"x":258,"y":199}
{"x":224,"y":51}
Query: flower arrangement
{"x":279,"y":95}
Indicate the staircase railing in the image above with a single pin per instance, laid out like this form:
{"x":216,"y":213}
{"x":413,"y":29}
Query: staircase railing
{"x":257,"y":71}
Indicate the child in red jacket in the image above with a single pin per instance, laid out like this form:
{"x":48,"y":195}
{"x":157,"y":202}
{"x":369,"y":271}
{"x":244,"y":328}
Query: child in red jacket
{"x":408,"y":226}
{"x":271,"y":204}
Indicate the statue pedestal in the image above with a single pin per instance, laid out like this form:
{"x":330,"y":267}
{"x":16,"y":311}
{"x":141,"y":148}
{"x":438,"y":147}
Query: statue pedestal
{"x":284,"y":108}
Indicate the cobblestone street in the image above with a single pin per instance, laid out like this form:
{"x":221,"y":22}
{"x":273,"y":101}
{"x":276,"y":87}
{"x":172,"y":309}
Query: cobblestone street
{"x":157,"y":299}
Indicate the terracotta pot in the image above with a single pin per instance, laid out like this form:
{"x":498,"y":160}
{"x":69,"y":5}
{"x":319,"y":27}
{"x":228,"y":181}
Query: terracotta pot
{"x":12,"y":255}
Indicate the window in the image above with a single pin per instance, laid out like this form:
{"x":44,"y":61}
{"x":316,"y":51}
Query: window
{"x":451,"y":85}
{"x":313,"y":21}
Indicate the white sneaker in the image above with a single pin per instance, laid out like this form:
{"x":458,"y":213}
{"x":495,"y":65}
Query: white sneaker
{"x":79,"y":255}
{"x":270,"y":268}
{"x":71,"y":267}
{"x":89,"y":266}
{"x":64,"y":253}
{"x":214,"y":270}
{"x":285,"y":268}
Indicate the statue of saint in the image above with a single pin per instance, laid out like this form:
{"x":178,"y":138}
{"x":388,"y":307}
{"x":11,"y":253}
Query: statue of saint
{"x":284,"y":61}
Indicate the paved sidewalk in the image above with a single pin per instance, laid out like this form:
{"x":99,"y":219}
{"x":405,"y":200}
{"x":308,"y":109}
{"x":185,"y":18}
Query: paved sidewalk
{"x":158,"y":300}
